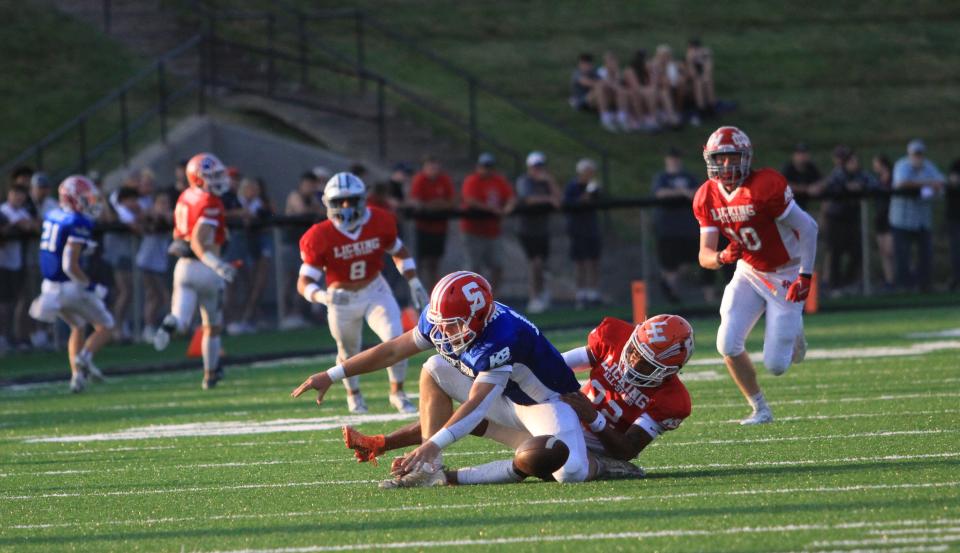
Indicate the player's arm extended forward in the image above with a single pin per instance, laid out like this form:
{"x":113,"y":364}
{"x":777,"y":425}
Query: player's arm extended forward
{"x":485,"y":390}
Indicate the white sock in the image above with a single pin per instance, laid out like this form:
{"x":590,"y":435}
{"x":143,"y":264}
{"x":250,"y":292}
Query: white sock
{"x":758,"y":402}
{"x":352,"y":383}
{"x":210,"y":348}
{"x":496,"y":472}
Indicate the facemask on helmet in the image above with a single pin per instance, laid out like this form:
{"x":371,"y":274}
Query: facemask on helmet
{"x":345,"y":197}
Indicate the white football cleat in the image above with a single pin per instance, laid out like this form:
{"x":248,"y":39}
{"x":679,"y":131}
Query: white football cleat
{"x":356,"y":404}
{"x":78,"y":382}
{"x":86,"y":366}
{"x":424,"y":477}
{"x":609,"y":468}
{"x":402,"y":403}
{"x":799,"y":349}
{"x":762,"y":416}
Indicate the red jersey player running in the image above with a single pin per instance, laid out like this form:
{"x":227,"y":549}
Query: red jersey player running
{"x":199,"y":232}
{"x":349,"y":248}
{"x":773,"y":242}
{"x":633,"y":396}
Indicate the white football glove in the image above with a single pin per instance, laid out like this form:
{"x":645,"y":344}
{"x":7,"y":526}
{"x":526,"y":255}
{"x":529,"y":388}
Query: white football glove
{"x":418,"y":294}
{"x":100,"y":291}
{"x":226,"y":271}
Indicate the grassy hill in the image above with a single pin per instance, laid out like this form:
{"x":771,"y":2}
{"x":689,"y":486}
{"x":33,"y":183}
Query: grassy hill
{"x":52,"y":67}
{"x":872,"y":74}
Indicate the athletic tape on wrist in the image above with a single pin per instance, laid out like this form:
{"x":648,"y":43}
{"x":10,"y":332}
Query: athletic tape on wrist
{"x":408,"y":264}
{"x":309,"y":292}
{"x":442,"y":438}
{"x":337,"y":373}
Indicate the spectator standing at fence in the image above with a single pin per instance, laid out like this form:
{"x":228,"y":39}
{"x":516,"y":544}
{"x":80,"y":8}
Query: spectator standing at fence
{"x":41,"y":200}
{"x":399,"y":184}
{"x":14,"y":219}
{"x":953,"y":221}
{"x":119,"y":251}
{"x":254,"y":199}
{"x":583,"y":229}
{"x":152,"y":259}
{"x":699,"y":59}
{"x":304,"y":203}
{"x":431,"y":192}
{"x":485,"y":192}
{"x":21,"y":175}
{"x":677,"y":231}
{"x":539,"y":194}
{"x":842,"y":221}
{"x":911,"y":216}
{"x":802,"y":174}
{"x":237,"y":253}
{"x":883,"y":179}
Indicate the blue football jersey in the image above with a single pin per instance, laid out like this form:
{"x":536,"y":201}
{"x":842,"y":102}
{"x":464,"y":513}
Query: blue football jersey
{"x":60,"y":227}
{"x":538,"y":371}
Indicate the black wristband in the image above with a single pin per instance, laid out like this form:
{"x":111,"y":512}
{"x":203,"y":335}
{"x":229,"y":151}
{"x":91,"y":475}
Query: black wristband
{"x":808,"y":275}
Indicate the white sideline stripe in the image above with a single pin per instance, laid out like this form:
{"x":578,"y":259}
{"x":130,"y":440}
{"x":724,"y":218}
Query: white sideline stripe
{"x":898,"y":414}
{"x":227,"y":428}
{"x":949,"y":530}
{"x":145,"y":448}
{"x":948,"y":333}
{"x":852,"y":399}
{"x":881,"y":434}
{"x":571,"y":537}
{"x":810,"y":461}
{"x":892,"y":541}
{"x":917,"y":348}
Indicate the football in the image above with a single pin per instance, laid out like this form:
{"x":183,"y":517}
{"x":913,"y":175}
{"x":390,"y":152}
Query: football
{"x":541,"y":456}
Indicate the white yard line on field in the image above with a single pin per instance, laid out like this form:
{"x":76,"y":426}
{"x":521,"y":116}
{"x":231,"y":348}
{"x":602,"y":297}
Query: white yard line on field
{"x":917,"y":348}
{"x":499,"y":504}
{"x":877,"y":434}
{"x":836,"y":416}
{"x":891,"y":541}
{"x":950,"y":530}
{"x":946,"y":455}
{"x":848,"y":399}
{"x":652,"y":534}
{"x":917,"y":549}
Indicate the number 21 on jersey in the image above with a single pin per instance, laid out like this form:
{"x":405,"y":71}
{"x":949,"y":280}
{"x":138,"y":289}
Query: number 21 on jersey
{"x":48,"y":239}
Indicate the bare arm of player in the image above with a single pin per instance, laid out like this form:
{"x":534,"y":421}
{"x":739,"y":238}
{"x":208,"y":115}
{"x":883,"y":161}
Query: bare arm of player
{"x":619,"y":445}
{"x":708,"y":249}
{"x":376,"y":358}
{"x":308,"y":284}
{"x":484,"y":391}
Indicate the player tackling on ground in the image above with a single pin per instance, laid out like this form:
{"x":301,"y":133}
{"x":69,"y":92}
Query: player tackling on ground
{"x":349,"y":248}
{"x":199,"y":232}
{"x":773,"y":242}
{"x":632,"y":397}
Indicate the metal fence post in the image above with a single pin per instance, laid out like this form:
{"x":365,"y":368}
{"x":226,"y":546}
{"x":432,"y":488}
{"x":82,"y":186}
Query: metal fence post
{"x":381,"y":119}
{"x":124,"y":135}
{"x":472,"y":95}
{"x":361,"y":47}
{"x":162,"y":93}
{"x":279,"y":274}
{"x":82,"y":128}
{"x":271,"y":61}
{"x":605,"y":170}
{"x":865,"y":245}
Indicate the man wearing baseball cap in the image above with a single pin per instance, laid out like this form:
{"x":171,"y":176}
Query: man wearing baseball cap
{"x":538,"y":191}
{"x":911,"y":217}
{"x":485,"y":193}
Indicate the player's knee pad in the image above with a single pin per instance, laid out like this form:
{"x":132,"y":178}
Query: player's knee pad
{"x":776,"y":363}
{"x":728,"y":344}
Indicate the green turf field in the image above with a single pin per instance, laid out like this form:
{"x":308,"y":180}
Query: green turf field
{"x":865,"y":456}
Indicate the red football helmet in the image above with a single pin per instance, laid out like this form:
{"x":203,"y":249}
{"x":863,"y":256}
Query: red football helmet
{"x":658,"y":348}
{"x":460,"y":307}
{"x":79,"y":194}
{"x":208,"y":172}
{"x":728,"y":140}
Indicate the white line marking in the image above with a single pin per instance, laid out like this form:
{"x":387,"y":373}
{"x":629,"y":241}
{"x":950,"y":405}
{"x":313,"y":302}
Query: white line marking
{"x":191,"y":489}
{"x":917,"y":348}
{"x":879,"y":434}
{"x":810,"y":461}
{"x":898,"y":414}
{"x":568,"y":537}
{"x":918,"y":549}
{"x":948,"y":333}
{"x":849,"y":399}
{"x":949,"y":530}
{"x":891,"y":541}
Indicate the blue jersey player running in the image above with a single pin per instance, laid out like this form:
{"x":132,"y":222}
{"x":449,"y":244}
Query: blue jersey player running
{"x":67,"y":291}
{"x":489,"y":358}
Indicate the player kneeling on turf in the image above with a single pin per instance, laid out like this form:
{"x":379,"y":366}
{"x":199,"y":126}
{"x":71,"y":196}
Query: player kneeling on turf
{"x":634,"y":394}
{"x":67,"y":291}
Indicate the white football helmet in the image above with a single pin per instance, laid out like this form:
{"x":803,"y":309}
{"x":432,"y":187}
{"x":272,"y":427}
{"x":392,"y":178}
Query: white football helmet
{"x":78,"y":194}
{"x":345,"y":196}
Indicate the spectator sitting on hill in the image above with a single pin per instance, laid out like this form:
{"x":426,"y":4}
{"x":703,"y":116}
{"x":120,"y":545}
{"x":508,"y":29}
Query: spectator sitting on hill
{"x":642,"y":93}
{"x":14,"y":219}
{"x":537,"y":189}
{"x":432,"y":191}
{"x":612,"y":78}
{"x":583,"y":228}
{"x":842,"y":218}
{"x":883,"y":178}
{"x":669,"y":79}
{"x":911,"y":217}
{"x":802,"y":174}
{"x":487,"y":191}
{"x":699,"y":60}
{"x":590,"y":92}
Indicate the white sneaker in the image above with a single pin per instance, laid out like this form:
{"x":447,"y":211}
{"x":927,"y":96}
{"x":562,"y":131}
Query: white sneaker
{"x":424,"y":477}
{"x":356,"y":404}
{"x":762,"y":416}
{"x":799,"y":349}
{"x":77,"y":382}
{"x":161,"y":338}
{"x":87,"y":368}
{"x":401,"y":402}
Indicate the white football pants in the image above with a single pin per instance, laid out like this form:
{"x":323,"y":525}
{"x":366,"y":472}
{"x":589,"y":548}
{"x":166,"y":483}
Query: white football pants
{"x":73,"y":303}
{"x":749,"y":294}
{"x":346,"y":312}
{"x":194,"y":283}
{"x":553,"y":417}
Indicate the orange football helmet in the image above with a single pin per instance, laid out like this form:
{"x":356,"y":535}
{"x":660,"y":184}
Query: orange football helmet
{"x":658,"y":348}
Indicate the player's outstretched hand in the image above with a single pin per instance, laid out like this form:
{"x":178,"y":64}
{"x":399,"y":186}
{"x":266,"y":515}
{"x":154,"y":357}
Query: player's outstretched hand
{"x":320,"y":382}
{"x":799,"y":289}
{"x":418,"y":294}
{"x":582,"y":406}
{"x":426,"y":454}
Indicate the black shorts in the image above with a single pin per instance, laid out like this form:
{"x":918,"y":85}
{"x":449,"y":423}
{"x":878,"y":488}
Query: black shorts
{"x":674,"y":252}
{"x":431,"y":244}
{"x":584,"y":247}
{"x":11,"y":284}
{"x":536,"y":245}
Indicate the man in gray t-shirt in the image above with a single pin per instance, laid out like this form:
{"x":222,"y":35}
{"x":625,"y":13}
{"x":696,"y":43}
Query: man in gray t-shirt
{"x":537,"y":190}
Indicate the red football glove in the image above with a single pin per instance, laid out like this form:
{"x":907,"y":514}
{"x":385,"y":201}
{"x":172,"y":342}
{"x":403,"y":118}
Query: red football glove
{"x":800,"y":289}
{"x":730,"y":254}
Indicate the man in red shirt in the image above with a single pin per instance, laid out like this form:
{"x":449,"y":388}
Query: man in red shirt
{"x":486,"y":192}
{"x":432,"y":190}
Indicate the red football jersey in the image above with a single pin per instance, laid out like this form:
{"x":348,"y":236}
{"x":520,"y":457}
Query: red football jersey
{"x":751,"y":215}
{"x":350,"y":258}
{"x":624,"y":404}
{"x":195,"y":205}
